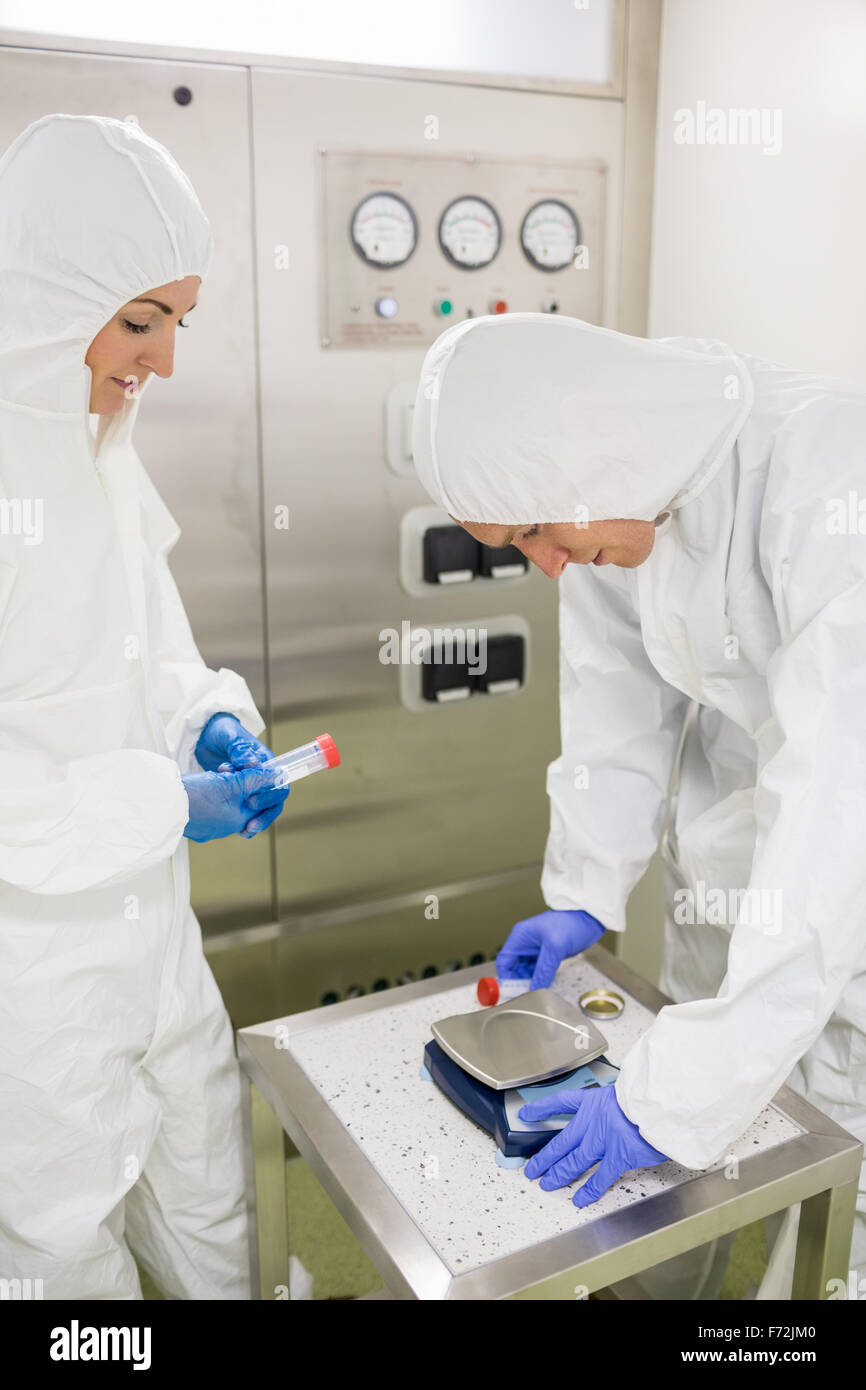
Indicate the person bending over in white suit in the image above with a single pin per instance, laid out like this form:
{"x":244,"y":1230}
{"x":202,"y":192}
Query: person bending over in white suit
{"x":694,"y":505}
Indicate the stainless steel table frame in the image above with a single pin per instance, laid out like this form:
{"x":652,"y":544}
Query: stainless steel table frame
{"x":820,"y":1169}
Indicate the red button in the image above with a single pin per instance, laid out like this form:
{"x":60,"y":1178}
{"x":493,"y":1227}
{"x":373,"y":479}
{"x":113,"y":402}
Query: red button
{"x":488,"y":991}
{"x":500,"y":307}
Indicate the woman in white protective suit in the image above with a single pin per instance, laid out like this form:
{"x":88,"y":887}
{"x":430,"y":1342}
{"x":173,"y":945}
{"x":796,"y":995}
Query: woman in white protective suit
{"x":693,"y":503}
{"x":119,"y":1084}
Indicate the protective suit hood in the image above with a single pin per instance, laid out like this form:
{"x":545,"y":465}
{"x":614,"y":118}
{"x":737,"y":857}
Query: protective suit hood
{"x":93,"y":212}
{"x":524,"y":418}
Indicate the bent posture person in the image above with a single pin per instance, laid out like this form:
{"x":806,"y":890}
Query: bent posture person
{"x":692,"y":502}
{"x":119,"y":1085}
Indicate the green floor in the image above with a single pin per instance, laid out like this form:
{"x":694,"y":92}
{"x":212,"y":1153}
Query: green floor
{"x":326,"y":1248}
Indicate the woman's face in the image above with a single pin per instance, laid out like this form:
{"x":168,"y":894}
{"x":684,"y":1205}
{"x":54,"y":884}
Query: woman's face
{"x":553,"y":545}
{"x":139,"y":340}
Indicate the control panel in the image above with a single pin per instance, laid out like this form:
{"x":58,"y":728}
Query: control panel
{"x":436,"y":553}
{"x":448,"y":663}
{"x":414,"y":242}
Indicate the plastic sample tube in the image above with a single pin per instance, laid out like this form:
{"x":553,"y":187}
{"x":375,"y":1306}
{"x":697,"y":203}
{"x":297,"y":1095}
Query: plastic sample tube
{"x":305,"y":760}
{"x":491,"y":991}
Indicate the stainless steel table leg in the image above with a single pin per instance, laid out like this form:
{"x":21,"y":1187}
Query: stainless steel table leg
{"x":266,"y":1196}
{"x":824,"y":1241}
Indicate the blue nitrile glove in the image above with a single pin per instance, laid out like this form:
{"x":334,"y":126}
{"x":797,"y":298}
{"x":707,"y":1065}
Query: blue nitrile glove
{"x":224,"y":745}
{"x":600,"y":1130}
{"x":224,"y":740}
{"x":538,"y":945}
{"x":231,"y":803}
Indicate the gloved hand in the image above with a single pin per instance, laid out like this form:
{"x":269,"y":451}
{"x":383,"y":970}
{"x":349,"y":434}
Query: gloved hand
{"x":538,"y":945}
{"x":232,"y":803}
{"x":600,"y":1130}
{"x":224,"y":745}
{"x":225,"y":742}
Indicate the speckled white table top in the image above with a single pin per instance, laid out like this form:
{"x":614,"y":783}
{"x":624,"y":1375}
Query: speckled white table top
{"x":437,"y":1162}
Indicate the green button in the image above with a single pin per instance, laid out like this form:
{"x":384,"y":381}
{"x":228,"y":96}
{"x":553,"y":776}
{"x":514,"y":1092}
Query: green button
{"x":445,"y":306}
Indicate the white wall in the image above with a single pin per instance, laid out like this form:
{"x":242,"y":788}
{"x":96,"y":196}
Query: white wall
{"x":765,"y":251}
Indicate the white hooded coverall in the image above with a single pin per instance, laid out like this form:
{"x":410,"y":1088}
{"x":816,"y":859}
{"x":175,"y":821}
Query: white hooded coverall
{"x":119,"y":1085}
{"x":752,"y":604}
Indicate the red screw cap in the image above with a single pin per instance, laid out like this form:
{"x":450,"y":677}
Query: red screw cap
{"x":328,"y":748}
{"x":488,"y":991}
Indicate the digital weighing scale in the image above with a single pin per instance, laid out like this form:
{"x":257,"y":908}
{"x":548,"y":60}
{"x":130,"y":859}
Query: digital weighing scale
{"x":490,"y":1063}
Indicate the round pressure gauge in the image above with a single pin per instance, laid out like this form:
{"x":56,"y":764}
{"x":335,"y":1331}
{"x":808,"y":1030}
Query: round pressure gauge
{"x":470,"y":233}
{"x":384,"y":229}
{"x":550,"y":235}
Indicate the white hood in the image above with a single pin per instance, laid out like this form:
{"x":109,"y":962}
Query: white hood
{"x":524,"y":418}
{"x":93,"y":212}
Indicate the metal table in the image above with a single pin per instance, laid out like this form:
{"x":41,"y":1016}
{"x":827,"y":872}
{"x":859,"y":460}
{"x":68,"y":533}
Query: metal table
{"x":308,"y":1075}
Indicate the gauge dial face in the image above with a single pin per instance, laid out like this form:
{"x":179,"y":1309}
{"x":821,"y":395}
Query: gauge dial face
{"x":470,"y":233}
{"x":550,"y":235}
{"x":384,"y":229}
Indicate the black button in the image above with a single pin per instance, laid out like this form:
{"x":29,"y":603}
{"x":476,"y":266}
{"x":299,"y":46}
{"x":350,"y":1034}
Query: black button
{"x":450,"y":555}
{"x":505,"y":666}
{"x":502,"y":562}
{"x":442,"y":678}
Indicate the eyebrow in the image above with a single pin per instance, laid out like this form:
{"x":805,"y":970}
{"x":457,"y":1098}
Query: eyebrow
{"x":166,"y":308}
